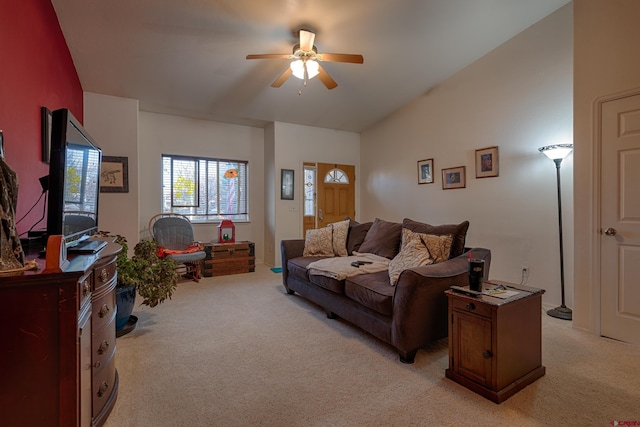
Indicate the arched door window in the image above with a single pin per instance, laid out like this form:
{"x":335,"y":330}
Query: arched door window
{"x":336,"y":176}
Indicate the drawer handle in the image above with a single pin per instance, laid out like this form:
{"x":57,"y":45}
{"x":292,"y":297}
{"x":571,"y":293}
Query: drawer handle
{"x":103,"y":389}
{"x":85,"y":288}
{"x":470,"y":306}
{"x":104,"y":311}
{"x":104,"y":346}
{"x":104,"y":275}
{"x":487,"y":354}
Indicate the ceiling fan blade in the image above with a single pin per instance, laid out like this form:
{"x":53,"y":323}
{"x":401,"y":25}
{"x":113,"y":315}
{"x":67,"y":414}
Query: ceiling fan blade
{"x":270,"y":56}
{"x":326,"y":79}
{"x":283,"y":77}
{"x":306,"y":40}
{"x":341,"y":57}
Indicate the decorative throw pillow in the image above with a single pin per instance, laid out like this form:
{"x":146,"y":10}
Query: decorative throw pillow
{"x":439,"y":246}
{"x":413,"y":253}
{"x":357,"y":233}
{"x":459,"y":231}
{"x":340,"y":231}
{"x":318,"y":242}
{"x":383,"y":238}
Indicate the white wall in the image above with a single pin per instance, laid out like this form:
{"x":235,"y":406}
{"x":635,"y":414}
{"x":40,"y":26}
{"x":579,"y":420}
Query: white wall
{"x":519,"y":98}
{"x":113,"y":123}
{"x":294,"y":145}
{"x":607,"y":37}
{"x":165,"y":134}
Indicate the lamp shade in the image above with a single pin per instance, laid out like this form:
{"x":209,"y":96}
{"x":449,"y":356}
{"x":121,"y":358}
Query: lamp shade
{"x":556,"y":152}
{"x":298,"y":66}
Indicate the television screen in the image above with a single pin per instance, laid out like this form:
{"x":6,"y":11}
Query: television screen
{"x":74,"y":180}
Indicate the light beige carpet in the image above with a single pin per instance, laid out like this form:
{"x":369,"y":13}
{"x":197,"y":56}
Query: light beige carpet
{"x":237,"y":351}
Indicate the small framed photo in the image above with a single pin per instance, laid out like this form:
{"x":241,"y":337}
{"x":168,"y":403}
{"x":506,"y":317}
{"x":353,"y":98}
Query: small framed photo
{"x":425,"y":171}
{"x":487,"y":162}
{"x":45,"y":119}
{"x":114,"y":175}
{"x":286,"y":181}
{"x":454,"y":178}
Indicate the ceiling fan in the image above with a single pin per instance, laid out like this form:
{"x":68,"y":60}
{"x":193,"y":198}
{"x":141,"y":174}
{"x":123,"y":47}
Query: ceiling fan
{"x":305,"y":58}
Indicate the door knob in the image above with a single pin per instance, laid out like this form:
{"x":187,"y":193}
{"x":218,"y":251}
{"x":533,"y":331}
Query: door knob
{"x":610,"y":231}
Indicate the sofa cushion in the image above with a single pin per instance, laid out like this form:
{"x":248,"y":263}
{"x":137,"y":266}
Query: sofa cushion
{"x":357,"y":233}
{"x":458,"y":231}
{"x":372,"y":291}
{"x":318,"y":242}
{"x":327,"y":283}
{"x":383,"y":238}
{"x":413,"y":253}
{"x":339,"y":237}
{"x":297,"y":267}
{"x":439,"y":246}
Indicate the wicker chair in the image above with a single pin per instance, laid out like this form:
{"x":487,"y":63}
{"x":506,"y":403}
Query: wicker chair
{"x":175,"y":233}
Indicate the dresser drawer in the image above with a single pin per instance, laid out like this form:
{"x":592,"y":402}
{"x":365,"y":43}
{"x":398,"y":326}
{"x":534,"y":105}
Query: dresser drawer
{"x":104,"y":310}
{"x":104,"y":275}
{"x":472,"y":307}
{"x":84,"y":291}
{"x":103,"y":384}
{"x":103,"y":346}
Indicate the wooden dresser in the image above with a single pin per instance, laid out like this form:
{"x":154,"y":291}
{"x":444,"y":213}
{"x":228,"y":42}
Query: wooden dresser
{"x":228,"y":258}
{"x":57,"y":363}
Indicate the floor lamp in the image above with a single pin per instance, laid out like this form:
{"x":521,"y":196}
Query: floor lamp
{"x":557,"y":153}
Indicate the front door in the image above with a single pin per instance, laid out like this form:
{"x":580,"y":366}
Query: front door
{"x":336,"y":193}
{"x":620,"y":220}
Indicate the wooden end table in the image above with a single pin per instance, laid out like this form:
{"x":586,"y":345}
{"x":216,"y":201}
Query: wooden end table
{"x":495,"y":343}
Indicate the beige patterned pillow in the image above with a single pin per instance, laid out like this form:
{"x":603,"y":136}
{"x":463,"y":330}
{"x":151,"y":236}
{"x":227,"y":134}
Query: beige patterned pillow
{"x":439,"y":246}
{"x":318,"y":242}
{"x":340,"y":231}
{"x":413,"y":253}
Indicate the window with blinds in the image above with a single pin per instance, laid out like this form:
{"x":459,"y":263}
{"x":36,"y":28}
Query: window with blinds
{"x":205,"y":189}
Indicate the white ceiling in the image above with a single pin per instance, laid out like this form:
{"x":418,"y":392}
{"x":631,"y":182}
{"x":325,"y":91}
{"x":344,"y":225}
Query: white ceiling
{"x":187,"y":57}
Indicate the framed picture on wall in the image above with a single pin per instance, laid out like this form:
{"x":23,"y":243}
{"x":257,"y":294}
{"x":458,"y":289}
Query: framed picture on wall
{"x":487,"y":162}
{"x":454,"y":178}
{"x":114,"y":175}
{"x":45,"y":128}
{"x":425,"y":171}
{"x":286,"y":181}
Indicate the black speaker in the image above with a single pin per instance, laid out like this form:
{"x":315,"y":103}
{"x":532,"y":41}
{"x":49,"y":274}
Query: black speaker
{"x":44,"y":183}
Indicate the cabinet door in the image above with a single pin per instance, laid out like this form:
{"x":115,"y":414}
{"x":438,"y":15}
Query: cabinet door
{"x":472,"y":351}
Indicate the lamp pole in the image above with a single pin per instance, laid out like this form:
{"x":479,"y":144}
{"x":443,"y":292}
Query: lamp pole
{"x":557,"y":153}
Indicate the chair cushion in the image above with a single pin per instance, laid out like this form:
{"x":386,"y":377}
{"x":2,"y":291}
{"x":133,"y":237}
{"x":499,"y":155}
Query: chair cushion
{"x":173,"y":232}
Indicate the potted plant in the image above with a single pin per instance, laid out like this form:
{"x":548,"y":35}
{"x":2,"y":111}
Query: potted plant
{"x":145,"y":273}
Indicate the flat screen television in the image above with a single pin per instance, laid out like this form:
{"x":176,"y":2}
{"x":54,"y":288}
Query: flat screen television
{"x":74,"y":181}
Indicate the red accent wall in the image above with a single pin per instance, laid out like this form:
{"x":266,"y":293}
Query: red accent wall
{"x":36,"y":70}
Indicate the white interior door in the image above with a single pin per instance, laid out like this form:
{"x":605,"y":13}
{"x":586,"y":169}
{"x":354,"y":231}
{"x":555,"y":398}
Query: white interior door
{"x":620,"y":220}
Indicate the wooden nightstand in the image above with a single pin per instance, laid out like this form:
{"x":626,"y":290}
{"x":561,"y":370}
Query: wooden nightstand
{"x":495,"y":344}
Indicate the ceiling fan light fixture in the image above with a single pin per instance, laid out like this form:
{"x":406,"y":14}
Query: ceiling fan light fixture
{"x":312,"y":68}
{"x":298,"y":66}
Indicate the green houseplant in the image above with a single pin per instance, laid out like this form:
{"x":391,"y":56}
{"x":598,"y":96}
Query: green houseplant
{"x":145,"y":273}
{"x":154,"y":277}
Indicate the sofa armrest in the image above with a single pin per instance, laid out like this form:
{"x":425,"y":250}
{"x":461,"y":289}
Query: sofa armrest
{"x":289,"y":249}
{"x":419,"y":303}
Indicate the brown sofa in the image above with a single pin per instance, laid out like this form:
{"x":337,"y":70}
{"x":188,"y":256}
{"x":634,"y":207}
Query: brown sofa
{"x":409,"y":315}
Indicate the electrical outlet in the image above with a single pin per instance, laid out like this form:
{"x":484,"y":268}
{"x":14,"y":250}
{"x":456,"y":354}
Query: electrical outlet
{"x":525,"y":270}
